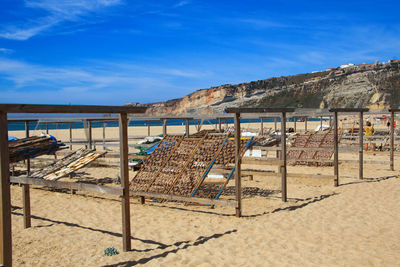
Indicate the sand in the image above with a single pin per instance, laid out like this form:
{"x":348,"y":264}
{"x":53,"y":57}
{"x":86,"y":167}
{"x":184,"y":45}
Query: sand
{"x":355,"y":224}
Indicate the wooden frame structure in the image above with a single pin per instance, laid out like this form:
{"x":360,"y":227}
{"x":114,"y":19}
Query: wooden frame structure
{"x":5,"y":179}
{"x":335,"y":112}
{"x":237,"y":112}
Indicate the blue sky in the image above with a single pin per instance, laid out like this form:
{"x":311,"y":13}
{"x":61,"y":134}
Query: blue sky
{"x":110,"y":52}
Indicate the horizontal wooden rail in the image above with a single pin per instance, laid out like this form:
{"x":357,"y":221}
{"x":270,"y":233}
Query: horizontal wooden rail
{"x":68,"y":185}
{"x":273,"y":174}
{"x":219,"y":202}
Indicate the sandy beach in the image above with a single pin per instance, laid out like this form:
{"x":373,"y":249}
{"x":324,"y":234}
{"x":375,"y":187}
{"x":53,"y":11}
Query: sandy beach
{"x":355,"y":224}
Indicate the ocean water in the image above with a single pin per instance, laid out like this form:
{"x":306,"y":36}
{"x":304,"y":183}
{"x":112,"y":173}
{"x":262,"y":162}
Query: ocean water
{"x":20,"y":126}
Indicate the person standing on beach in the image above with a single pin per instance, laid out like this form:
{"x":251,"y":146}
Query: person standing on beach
{"x":369,"y":131}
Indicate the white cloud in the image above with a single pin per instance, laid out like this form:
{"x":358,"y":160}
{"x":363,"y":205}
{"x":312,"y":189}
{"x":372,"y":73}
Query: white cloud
{"x":59,"y":11}
{"x":182,"y":3}
{"x":6,"y":50}
{"x":97,"y":83}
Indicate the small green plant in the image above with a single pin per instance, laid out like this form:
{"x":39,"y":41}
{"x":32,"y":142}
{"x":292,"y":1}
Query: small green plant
{"x":111,"y":251}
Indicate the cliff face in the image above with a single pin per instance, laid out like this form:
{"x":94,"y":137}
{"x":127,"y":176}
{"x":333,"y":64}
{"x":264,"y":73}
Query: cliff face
{"x":374,"y":86}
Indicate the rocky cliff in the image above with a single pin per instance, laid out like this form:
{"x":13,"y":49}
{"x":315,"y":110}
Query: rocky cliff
{"x":376,"y":86}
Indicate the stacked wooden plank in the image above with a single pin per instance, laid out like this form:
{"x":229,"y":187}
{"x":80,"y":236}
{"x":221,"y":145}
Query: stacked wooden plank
{"x":70,"y":163}
{"x":32,"y":147}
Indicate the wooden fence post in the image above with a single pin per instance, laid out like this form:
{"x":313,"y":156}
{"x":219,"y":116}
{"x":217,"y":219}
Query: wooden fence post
{"x":262,"y":126}
{"x":187,"y":127}
{"x":219,"y":126}
{"x":336,"y":149}
{"x":70,"y":136}
{"x":124,"y":168}
{"x":148,"y":128}
{"x":26,"y":202}
{"x":90,"y":135}
{"x":305,"y":124}
{"x":5,"y":199}
{"x":283,"y":157}
{"x":164,"y":129}
{"x":104,"y":135}
{"x":392,"y":142}
{"x":238,"y":184}
{"x":361,"y":141}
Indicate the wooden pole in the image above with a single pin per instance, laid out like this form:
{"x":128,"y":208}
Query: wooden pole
{"x":295,"y":129}
{"x":320,"y":123}
{"x":262,"y":126}
{"x":47,"y":128}
{"x":104,"y":135}
{"x":283,"y":157}
{"x":219,"y":127}
{"x":164,"y":129}
{"x":336,"y":149}
{"x":361,"y":149}
{"x":148,"y":128}
{"x":330,"y":121}
{"x":275,"y":119}
{"x":26,"y":202}
{"x":90,"y":135}
{"x":187,"y":127}
{"x":392,"y":142}
{"x":305,"y":124}
{"x":70,"y":136}
{"x":5,"y":199}
{"x":238,"y":184}
{"x":124,"y":168}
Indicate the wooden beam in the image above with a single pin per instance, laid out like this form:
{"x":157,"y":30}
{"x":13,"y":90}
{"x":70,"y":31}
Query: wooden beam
{"x":67,"y":185}
{"x":28,"y":108}
{"x":5,"y":199}
{"x":206,"y":201}
{"x":26,"y":202}
{"x":336,"y":149}
{"x":283,"y":157}
{"x":238,"y":182}
{"x":124,"y":168}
